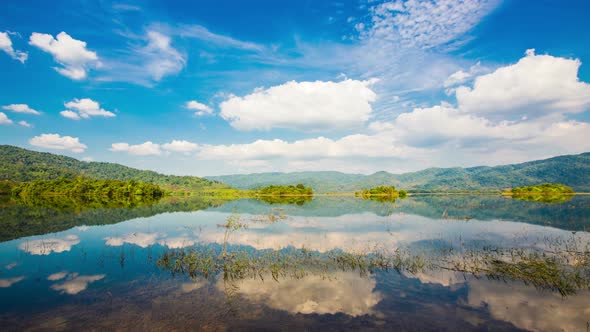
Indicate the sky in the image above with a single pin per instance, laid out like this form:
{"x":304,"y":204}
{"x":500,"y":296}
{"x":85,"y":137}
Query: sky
{"x":357,"y":86}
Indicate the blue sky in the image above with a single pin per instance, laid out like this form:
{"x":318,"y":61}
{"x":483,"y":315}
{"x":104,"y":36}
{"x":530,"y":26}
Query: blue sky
{"x":221,"y":87}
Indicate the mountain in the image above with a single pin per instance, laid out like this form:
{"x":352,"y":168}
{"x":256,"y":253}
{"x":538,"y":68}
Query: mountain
{"x":19,"y":164}
{"x":571,"y":170}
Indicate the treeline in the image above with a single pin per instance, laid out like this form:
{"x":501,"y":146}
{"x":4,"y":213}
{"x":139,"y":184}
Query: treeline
{"x":297,"y":190}
{"x":87,"y":187}
{"x":21,"y":165}
{"x":384,"y":191}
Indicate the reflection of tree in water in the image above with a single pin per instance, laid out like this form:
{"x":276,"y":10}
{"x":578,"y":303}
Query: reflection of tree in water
{"x":297,"y":200}
{"x":563,"y":266}
{"x":547,"y":199}
{"x":49,"y":214}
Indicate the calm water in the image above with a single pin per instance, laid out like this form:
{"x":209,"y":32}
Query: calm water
{"x":451,"y":263}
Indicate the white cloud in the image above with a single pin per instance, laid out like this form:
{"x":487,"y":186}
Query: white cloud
{"x":6,"y":46}
{"x":84,"y":108}
{"x":57,"y":142}
{"x":49,"y":245}
{"x":358,"y":145}
{"x":4,"y":119}
{"x":199,"y":108}
{"x":145,"y":149}
{"x":180,"y":146}
{"x":536,"y":85}
{"x":70,"y":53}
{"x":7,"y":282}
{"x":76,"y":284}
{"x":460,"y":76}
{"x":303,"y":106}
{"x":70,"y":115}
{"x":424,"y":24}
{"x":25,"y":124}
{"x":20,"y":108}
{"x":162,"y":58}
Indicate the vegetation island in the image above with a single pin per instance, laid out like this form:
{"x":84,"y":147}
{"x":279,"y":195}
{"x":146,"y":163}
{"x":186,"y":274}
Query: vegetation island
{"x":296,"y":190}
{"x":382,"y":191}
{"x":545,"y":193}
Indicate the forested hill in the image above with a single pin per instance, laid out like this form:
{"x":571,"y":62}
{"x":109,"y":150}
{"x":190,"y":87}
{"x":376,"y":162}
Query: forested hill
{"x":21,"y":165}
{"x":571,"y":170}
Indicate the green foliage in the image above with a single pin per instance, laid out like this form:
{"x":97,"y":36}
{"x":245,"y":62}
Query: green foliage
{"x":544,"y":193}
{"x":87,"y":187}
{"x":22,"y":165}
{"x":572,"y":170}
{"x":297,"y":190}
{"x":542,"y":189}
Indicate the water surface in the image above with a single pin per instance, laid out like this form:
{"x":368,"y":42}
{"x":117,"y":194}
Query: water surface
{"x":294,"y":266}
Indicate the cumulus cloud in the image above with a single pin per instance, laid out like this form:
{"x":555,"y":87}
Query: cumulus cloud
{"x":4,"y":119}
{"x":349,"y":146}
{"x":84,"y":108}
{"x":25,"y":124}
{"x":460,"y":76}
{"x":199,"y":108}
{"x":302,"y":106}
{"x":180,"y":146}
{"x":73,"y":56}
{"x":536,"y":85}
{"x":57,"y":142}
{"x":6,"y":46}
{"x":76,"y":283}
{"x":20,"y":108}
{"x":70,"y":115}
{"x":145,"y":149}
{"x":424,"y":24}
{"x":49,"y":245}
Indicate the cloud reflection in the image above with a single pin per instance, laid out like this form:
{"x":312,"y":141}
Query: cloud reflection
{"x":49,"y":245}
{"x":345,"y":292}
{"x":76,"y":284}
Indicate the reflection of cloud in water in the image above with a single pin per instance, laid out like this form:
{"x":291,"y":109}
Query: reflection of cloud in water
{"x":188,"y":287}
{"x":529,"y":309}
{"x":143,"y":240}
{"x":354,"y":233}
{"x":345,"y":292}
{"x":57,"y":276}
{"x":75,"y":283}
{"x":177,"y":242}
{"x":442,"y":277}
{"x":7,"y":282}
{"x":47,"y":246}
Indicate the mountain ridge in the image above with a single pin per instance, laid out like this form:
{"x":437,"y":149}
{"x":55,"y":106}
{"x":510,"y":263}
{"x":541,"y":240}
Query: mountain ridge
{"x":571,"y":170}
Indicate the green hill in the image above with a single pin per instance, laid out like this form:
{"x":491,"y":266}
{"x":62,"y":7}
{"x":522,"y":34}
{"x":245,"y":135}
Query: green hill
{"x":571,"y":170}
{"x":22,"y":165}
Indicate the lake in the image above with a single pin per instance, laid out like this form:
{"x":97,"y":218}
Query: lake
{"x":428,"y":262}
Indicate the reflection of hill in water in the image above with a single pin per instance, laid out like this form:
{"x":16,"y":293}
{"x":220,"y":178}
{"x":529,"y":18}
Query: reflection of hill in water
{"x":573,"y":214}
{"x":20,"y":219}
{"x":17,"y":220}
